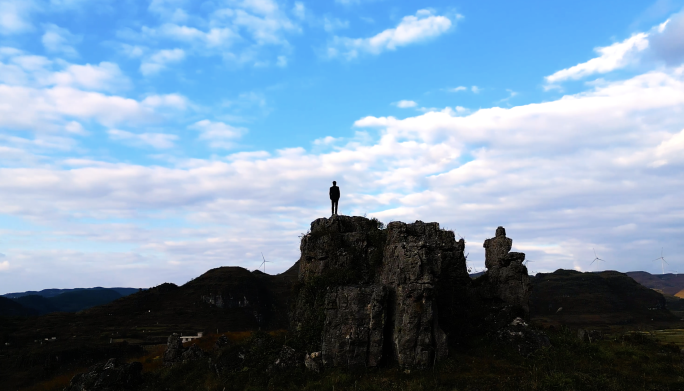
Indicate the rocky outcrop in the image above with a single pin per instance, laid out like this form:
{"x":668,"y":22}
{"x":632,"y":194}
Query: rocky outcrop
{"x":508,"y":277}
{"x":502,"y":293}
{"x":174,"y":350}
{"x":109,"y":376}
{"x":175,"y":353}
{"x":523,"y":338}
{"x":287,"y":359}
{"x":368,"y":295}
{"x":313,"y":362}
{"x":351,"y":245}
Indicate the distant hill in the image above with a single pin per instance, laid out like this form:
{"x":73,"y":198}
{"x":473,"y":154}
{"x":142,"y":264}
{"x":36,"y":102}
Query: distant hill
{"x":70,"y":300}
{"x":609,"y":297}
{"x":54,"y":292}
{"x":9,"y":307}
{"x":670,"y":284}
{"x":41,"y":305}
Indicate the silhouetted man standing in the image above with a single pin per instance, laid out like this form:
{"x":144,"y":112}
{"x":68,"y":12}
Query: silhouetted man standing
{"x":334,"y":197}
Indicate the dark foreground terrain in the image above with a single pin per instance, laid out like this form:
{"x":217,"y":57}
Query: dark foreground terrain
{"x":630,"y":361}
{"x":365,"y":308}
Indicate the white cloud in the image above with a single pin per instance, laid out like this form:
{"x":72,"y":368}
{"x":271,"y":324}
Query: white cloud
{"x":48,"y":109}
{"x":5,"y":265}
{"x":173,"y":101}
{"x":75,"y":128}
{"x":404,"y":104}
{"x":154,"y":140}
{"x":105,"y":76}
{"x":160,"y":59}
{"x":476,"y":89}
{"x":218,"y":134}
{"x":282,"y":61}
{"x":457,"y":89}
{"x":21,"y":69}
{"x":14,"y":15}
{"x":60,"y":40}
{"x":661,"y":44}
{"x":615,"y":56}
{"x":412,"y":29}
{"x":237,"y":31}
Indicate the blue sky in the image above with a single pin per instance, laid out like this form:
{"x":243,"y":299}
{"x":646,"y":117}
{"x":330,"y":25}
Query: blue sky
{"x":148,"y":141}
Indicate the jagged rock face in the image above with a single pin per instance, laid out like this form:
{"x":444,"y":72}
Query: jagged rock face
{"x":417,"y":338}
{"x":109,"y":376}
{"x":419,"y":259}
{"x":353,"y":332}
{"x":341,"y":243}
{"x":399,"y":294}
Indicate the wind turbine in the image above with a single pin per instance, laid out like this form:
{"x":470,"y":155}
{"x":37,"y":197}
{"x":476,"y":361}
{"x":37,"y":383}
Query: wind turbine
{"x":596,"y":259}
{"x":264,"y":262}
{"x":662,"y":261}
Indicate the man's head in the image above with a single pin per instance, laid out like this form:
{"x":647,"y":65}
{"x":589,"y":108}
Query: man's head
{"x":334,"y":183}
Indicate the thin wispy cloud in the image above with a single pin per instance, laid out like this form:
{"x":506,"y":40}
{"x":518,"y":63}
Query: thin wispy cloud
{"x":611,"y":58}
{"x":59,"y":40}
{"x":405,"y":104}
{"x":218,"y":134}
{"x":412,"y":29}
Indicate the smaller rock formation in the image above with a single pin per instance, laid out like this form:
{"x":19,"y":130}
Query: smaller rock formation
{"x":109,"y":376}
{"x":519,"y":335}
{"x":287,"y":359}
{"x":175,"y":352}
{"x":496,"y":248}
{"x":221,"y":342}
{"x":589,"y":336}
{"x":313,"y":362}
{"x":192,"y":353}
{"x":502,"y":293}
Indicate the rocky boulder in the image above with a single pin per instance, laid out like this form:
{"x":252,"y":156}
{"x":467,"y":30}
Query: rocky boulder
{"x":109,"y":376}
{"x":174,"y":350}
{"x":176,"y":353}
{"x":523,"y":338}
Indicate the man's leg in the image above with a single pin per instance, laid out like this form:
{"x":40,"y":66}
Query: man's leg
{"x":335,"y":203}
{"x":332,"y":206}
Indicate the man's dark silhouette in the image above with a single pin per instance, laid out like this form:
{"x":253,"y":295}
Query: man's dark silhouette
{"x":334,"y":197}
